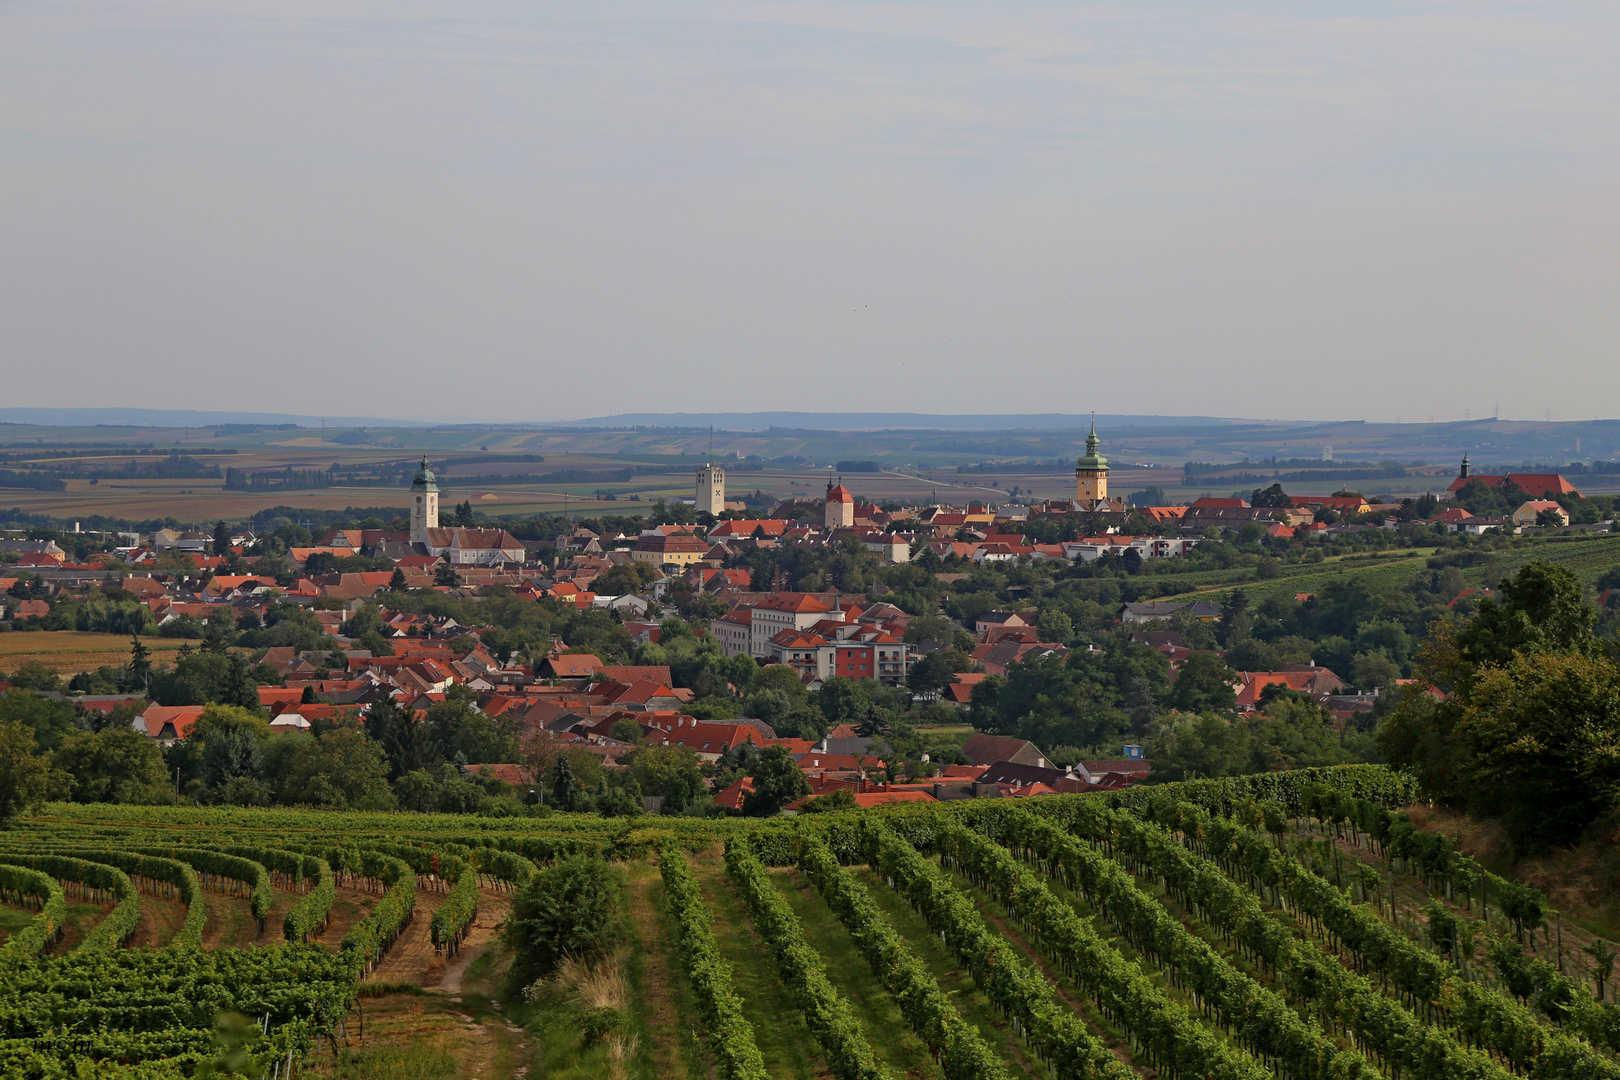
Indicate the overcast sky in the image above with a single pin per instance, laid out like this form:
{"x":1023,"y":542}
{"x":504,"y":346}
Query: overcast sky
{"x":532,"y":210}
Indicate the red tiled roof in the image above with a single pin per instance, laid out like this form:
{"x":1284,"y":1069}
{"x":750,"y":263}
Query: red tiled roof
{"x":574,"y":665}
{"x":177,"y":719}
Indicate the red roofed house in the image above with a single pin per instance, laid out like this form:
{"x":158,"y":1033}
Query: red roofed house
{"x":782,"y":611}
{"x":1317,"y":681}
{"x":1535,"y":485}
{"x":279,"y":695}
{"x":731,"y":797}
{"x":570,"y":666}
{"x":707,"y":741}
{"x":166,"y":723}
{"x":676,"y":549}
{"x":988,"y":749}
{"x":1530,"y":512}
{"x":730,"y":530}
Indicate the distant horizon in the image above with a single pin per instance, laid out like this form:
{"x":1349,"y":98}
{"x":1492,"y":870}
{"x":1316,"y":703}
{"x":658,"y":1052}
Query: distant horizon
{"x":90,"y":417}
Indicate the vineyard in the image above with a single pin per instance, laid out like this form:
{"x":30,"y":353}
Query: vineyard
{"x":1290,"y":925}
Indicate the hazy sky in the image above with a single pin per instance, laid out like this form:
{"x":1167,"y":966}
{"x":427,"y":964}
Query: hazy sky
{"x":533,"y":210}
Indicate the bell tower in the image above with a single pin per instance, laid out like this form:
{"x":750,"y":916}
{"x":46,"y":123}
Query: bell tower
{"x":1091,"y":472}
{"x":424,"y":503}
{"x":711,"y":489}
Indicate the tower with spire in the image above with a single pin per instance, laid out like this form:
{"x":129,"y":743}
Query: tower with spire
{"x":1091,"y":473}
{"x":424,"y":503}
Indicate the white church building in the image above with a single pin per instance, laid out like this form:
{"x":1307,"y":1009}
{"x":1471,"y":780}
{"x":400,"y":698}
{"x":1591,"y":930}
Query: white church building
{"x":458,"y":546}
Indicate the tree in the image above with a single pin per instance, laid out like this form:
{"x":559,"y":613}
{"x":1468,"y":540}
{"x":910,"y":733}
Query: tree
{"x":464,"y":514}
{"x":408,"y":743}
{"x":445,"y":574}
{"x":626,"y":730}
{"x":1373,"y":671}
{"x":874,"y":723}
{"x":139,"y":672}
{"x":618,"y":580}
{"x":670,"y":772}
{"x":1541,"y":609}
{"x":1540,"y":742}
{"x":25,"y":777}
{"x":34,"y":675}
{"x":842,"y":799}
{"x":1054,"y":624}
{"x":1235,"y":619}
{"x":204,"y":678}
{"x":1204,"y":683}
{"x":49,"y":720}
{"x":1273,"y":497}
{"x":222,"y":539}
{"x":396,"y":581}
{"x":458,"y":728}
{"x":930,"y":674}
{"x":118,"y":765}
{"x":778,"y":780}
{"x":564,"y":791}
{"x":569,"y":909}
{"x":340,"y":769}
{"x":417,"y":790}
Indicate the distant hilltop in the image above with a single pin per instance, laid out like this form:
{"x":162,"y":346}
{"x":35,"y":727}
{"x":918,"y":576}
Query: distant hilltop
{"x":872,"y":421}
{"x":182,"y":418}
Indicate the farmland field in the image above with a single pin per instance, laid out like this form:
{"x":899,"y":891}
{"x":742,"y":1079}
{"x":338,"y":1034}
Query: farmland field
{"x":68,"y":652}
{"x":1587,"y":556}
{"x":1156,"y":932}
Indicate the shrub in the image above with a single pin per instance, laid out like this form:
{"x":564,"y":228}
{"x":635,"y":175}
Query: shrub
{"x":570,"y":909}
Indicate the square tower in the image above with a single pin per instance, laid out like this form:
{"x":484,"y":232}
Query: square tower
{"x":840,"y":507}
{"x":711,"y":490}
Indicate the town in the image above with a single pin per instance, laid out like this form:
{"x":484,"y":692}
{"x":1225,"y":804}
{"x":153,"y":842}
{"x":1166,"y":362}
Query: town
{"x":719,"y":658}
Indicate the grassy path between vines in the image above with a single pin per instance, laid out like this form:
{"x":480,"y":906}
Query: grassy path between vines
{"x":892,"y":1039}
{"x":666,"y":1015}
{"x":785,"y":1042}
{"x":952,"y":978}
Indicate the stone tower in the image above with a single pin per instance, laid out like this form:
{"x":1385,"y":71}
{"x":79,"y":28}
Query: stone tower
{"x":1091,"y":472}
{"x":840,"y":508}
{"x":711,"y":489}
{"x":424,"y":503}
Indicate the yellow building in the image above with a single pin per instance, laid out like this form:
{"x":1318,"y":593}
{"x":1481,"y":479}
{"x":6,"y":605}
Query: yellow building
{"x":1091,"y":472}
{"x":677,"y":549}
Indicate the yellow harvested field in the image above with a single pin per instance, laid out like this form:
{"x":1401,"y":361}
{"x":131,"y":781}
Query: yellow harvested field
{"x":69,"y":652}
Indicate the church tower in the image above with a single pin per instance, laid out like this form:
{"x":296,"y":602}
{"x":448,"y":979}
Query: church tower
{"x":1091,"y":472}
{"x":424,"y":503}
{"x":711,"y":489}
{"x":839,"y":511}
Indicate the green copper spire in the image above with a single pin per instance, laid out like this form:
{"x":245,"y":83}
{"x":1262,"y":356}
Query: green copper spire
{"x":1092,"y":460}
{"x":424,"y":480}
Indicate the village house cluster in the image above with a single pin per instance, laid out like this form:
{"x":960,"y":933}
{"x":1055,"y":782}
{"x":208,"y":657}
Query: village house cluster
{"x":573,"y":698}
